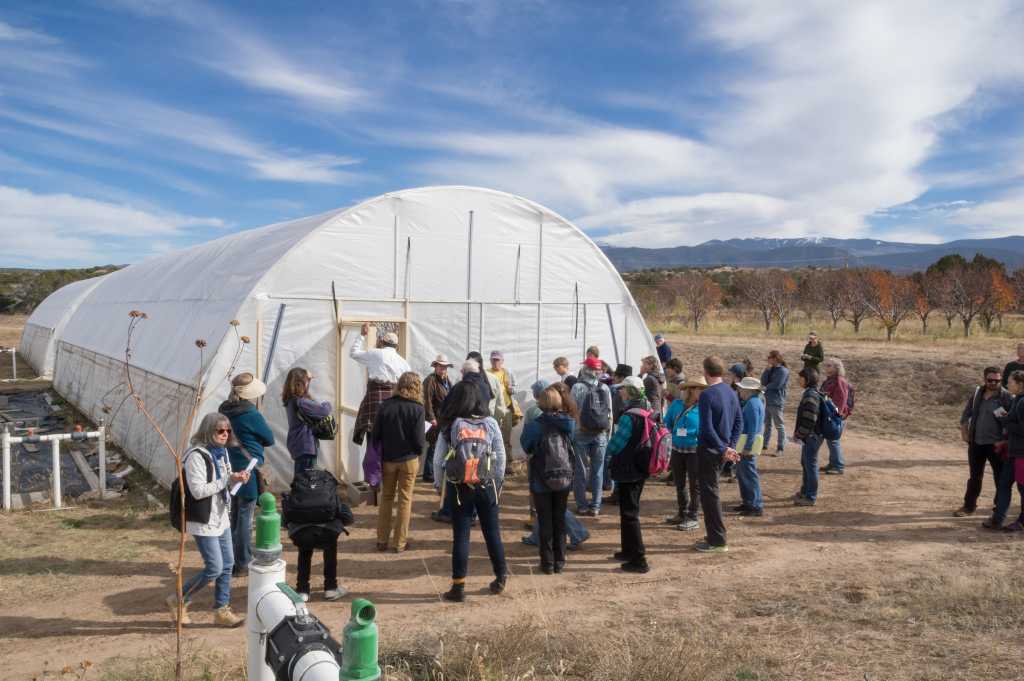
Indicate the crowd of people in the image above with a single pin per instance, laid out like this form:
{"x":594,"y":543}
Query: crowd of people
{"x":590,"y":433}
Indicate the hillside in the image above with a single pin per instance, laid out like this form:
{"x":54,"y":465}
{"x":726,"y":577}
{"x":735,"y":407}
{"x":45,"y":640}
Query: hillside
{"x":825,"y":252}
{"x":22,"y":290}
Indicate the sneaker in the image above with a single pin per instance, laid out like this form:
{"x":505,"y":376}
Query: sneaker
{"x":826,"y":469}
{"x":1015,"y":526}
{"x":704,"y":547}
{"x":752,"y":512}
{"x":992,"y":524}
{"x":172,"y":605}
{"x":674,"y":519}
{"x":688,"y":525}
{"x":402,"y":549}
{"x":963,"y":512}
{"x":335,"y":594}
{"x":834,"y":471}
{"x":804,"y":501}
{"x":456,"y":594}
{"x":621,"y":556}
{"x":304,"y":595}
{"x":592,"y":512}
{"x":498,"y":585}
{"x":638,"y":566}
{"x":529,"y":540}
{"x":223,"y":617}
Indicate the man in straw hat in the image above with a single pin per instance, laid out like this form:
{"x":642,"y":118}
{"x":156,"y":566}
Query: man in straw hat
{"x":435,"y":388}
{"x":383,"y":367}
{"x":683,"y":421}
{"x":253,"y":435}
{"x":749,"y":447}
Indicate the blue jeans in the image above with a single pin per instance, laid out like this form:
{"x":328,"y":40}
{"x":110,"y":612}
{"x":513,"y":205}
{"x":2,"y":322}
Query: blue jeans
{"x":589,"y":469}
{"x":484,"y":499}
{"x":218,"y":559}
{"x":809,"y":462}
{"x":573,"y":529}
{"x":773,"y":418}
{"x":750,"y":482}
{"x":835,"y":455}
{"x":241,"y":531}
{"x":304,"y":463}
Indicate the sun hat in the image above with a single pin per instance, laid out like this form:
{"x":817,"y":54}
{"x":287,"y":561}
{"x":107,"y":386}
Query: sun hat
{"x":738,"y":370}
{"x":441,"y":361}
{"x":391,"y":338}
{"x":632,"y":382}
{"x":497,"y":354}
{"x":247,"y":386}
{"x":698,"y":382}
{"x":750,"y":383}
{"x":593,"y":363}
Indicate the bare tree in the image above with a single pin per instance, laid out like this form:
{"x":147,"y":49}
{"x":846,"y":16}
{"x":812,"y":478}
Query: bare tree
{"x":783,"y":290}
{"x":831,"y":294}
{"x":698,"y":294}
{"x":927,"y":289}
{"x":888,"y":297}
{"x":809,"y":293}
{"x":1002,"y":299}
{"x":752,"y":285}
{"x":852,"y":283}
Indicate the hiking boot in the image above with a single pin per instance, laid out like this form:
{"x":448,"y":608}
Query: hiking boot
{"x":223,"y":617}
{"x":335,"y":594}
{"x":172,"y":605}
{"x":752,"y":512}
{"x":992,"y":523}
{"x":498,"y":585}
{"x":834,"y":471}
{"x":621,"y":556}
{"x":674,"y":519}
{"x":456,"y":594}
{"x":803,"y":501}
{"x":963,"y":512}
{"x":704,"y":547}
{"x":687,"y":525}
{"x":638,"y":566}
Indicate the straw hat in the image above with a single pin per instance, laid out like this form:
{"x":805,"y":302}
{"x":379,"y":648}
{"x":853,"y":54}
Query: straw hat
{"x":750,"y":383}
{"x":698,"y":382}
{"x":441,"y":361}
{"x":632,"y":382}
{"x":247,"y":386}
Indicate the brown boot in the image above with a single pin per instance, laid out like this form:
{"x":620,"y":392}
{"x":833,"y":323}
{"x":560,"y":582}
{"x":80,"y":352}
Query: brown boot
{"x":223,"y":617}
{"x":172,"y":605}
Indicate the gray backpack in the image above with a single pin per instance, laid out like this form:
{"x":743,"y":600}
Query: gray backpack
{"x":554,"y":463}
{"x":470,"y":459}
{"x":596,"y":407}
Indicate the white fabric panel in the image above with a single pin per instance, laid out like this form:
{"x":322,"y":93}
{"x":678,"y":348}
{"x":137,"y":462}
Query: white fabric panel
{"x":46,"y":324}
{"x":570,"y":257}
{"x":512,"y":329}
{"x":188,"y":295}
{"x":560,"y":338}
{"x":440,"y":249}
{"x":437,"y":328}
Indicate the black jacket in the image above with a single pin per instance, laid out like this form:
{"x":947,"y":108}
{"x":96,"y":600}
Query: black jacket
{"x":1014,"y":424}
{"x":399,"y":428}
{"x":483,"y":386}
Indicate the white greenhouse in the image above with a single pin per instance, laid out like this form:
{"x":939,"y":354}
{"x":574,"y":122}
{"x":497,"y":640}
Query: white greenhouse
{"x":451,"y":269}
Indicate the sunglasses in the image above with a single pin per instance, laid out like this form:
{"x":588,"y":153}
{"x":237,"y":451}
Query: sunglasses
{"x":223,"y":431}
{"x":992,"y":380}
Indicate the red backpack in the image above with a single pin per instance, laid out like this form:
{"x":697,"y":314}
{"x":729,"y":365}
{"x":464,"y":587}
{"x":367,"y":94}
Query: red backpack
{"x":659,"y":439}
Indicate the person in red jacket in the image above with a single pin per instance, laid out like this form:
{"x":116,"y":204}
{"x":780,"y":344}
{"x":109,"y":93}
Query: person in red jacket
{"x":837,"y":389}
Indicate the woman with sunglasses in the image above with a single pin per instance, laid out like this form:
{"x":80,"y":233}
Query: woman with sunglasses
{"x":208,"y":481}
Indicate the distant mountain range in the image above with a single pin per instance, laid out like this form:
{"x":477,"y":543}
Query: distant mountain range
{"x":817,"y":251}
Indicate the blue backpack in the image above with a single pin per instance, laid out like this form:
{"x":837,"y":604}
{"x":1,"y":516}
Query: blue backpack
{"x":830,"y":423}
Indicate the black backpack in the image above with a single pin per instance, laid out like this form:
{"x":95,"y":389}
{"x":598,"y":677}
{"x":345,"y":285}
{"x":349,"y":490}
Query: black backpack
{"x":595,"y":407}
{"x":554,"y":463}
{"x":196,"y":510}
{"x":633,"y":462}
{"x":313,"y":498}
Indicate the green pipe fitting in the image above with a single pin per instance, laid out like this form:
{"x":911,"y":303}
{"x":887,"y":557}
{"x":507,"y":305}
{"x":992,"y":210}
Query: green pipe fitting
{"x":359,"y":644}
{"x":268,"y":525}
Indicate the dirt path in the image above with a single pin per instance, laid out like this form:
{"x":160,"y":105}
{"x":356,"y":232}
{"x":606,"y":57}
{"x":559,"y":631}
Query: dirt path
{"x":89,"y":584}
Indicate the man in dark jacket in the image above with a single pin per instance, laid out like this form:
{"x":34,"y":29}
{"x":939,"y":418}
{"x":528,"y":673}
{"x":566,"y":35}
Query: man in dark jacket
{"x":436,"y":387}
{"x":814,"y":352}
{"x":721,"y":422}
{"x":664,"y":349}
{"x":981,"y":429}
{"x":1015,"y":365}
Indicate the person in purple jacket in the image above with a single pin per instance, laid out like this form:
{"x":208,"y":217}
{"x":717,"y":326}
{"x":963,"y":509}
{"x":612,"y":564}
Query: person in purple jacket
{"x":302,"y":445}
{"x":721,"y":421}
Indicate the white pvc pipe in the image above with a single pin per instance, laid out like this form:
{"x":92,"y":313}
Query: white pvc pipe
{"x":55,"y":446}
{"x":101,"y":450}
{"x":53,"y":437}
{"x":6,"y":444}
{"x":316,"y":665}
{"x":261,"y":579}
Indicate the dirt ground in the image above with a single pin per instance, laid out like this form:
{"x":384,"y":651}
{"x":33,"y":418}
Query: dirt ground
{"x":876,"y":582}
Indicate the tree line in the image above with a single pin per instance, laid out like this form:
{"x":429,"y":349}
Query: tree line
{"x":22,"y":290}
{"x":979,"y":290}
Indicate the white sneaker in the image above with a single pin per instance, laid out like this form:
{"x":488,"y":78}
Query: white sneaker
{"x":305,"y":597}
{"x":335,"y":594}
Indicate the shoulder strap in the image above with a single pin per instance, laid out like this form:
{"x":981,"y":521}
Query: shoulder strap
{"x":207,"y":459}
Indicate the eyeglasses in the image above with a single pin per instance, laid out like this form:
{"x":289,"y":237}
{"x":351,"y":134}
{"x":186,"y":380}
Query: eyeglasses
{"x":992,"y":380}
{"x":223,"y":431}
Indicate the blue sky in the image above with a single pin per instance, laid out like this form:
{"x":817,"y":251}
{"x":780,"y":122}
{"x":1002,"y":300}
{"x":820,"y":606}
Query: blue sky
{"x":132,"y":127}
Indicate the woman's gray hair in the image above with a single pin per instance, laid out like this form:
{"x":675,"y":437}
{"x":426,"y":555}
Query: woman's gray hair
{"x":634,"y":393}
{"x":838,"y":364}
{"x":207,"y":430}
{"x":470,"y":366}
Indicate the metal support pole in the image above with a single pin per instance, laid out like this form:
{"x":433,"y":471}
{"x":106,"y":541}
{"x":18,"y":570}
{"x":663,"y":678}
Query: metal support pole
{"x":14,"y":364}
{"x":6,"y":437}
{"x":55,"y":446}
{"x":101,"y":452}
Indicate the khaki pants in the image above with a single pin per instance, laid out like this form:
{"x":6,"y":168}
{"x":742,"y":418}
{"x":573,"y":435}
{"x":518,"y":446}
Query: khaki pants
{"x":506,"y":423}
{"x":397,"y":483}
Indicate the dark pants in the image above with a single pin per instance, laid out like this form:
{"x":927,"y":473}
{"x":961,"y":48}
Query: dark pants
{"x":551,"y":523}
{"x":1004,"y":493}
{"x":304,"y":463}
{"x":428,"y":463}
{"x":684,"y":475}
{"x":629,"y":519}
{"x":482,"y":499}
{"x":977,"y":455}
{"x":710,"y":463}
{"x":307,"y":539}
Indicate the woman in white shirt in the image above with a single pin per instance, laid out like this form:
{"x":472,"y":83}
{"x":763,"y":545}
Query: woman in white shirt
{"x":208,"y":479}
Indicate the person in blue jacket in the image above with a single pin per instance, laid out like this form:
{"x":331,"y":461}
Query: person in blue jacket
{"x":749,"y":447}
{"x":775,"y":379}
{"x":253,"y":435}
{"x":683,"y":421}
{"x":302,"y":444}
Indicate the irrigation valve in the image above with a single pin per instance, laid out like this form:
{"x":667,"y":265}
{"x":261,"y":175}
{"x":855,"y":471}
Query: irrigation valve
{"x":299,"y":642}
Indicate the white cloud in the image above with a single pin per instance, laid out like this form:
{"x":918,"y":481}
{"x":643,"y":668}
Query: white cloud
{"x":322,"y":168}
{"x":1003,"y":216}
